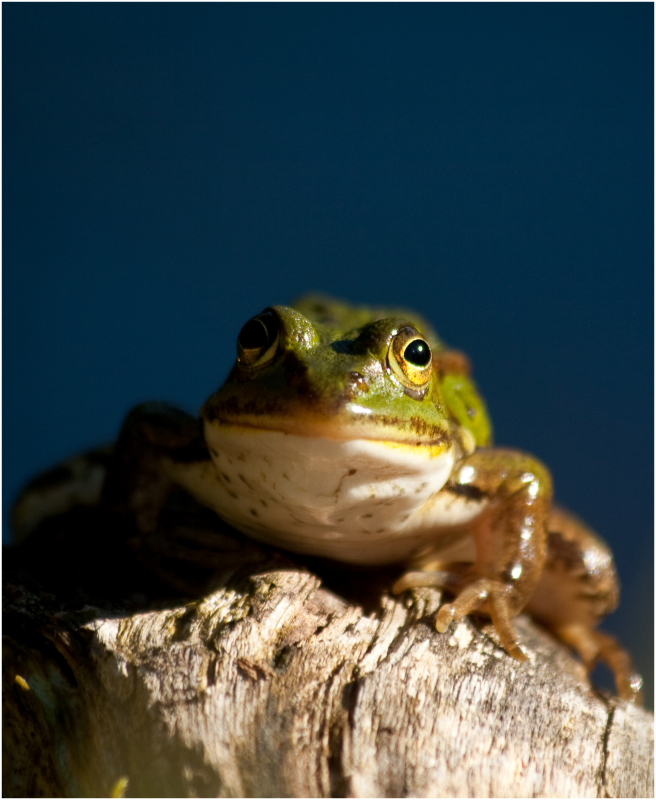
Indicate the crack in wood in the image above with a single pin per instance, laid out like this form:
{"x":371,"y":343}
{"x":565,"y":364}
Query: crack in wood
{"x":603,"y":789}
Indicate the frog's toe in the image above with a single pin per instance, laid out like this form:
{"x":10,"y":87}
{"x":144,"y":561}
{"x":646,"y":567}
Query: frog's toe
{"x":517,"y":651}
{"x":633,"y":689}
{"x":611,"y":653}
{"x":469,"y":599}
{"x":502,"y":615}
{"x":415,"y":580}
{"x":445,"y":617}
{"x":597,"y":646}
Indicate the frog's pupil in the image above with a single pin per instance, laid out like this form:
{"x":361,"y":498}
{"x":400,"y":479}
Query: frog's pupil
{"x":418,"y":353}
{"x":254,"y":335}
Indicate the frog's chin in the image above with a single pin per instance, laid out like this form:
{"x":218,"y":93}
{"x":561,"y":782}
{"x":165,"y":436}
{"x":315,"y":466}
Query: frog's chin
{"x":358,"y":500}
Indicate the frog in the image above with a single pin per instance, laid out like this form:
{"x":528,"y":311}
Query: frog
{"x":355,"y":434}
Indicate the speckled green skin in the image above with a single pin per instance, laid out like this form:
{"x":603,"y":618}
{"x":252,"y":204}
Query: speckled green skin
{"x":333,"y":367}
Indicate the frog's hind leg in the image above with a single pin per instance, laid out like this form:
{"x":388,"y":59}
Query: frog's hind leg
{"x":577,"y":588}
{"x":75,"y":482}
{"x":159,"y":481}
{"x":155,"y":438}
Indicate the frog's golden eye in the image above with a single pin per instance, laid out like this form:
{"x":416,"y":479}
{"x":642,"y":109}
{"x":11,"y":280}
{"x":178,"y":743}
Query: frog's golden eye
{"x":410,"y":358}
{"x":258,"y":340}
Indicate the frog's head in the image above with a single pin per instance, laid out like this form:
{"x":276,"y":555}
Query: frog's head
{"x":325,"y":369}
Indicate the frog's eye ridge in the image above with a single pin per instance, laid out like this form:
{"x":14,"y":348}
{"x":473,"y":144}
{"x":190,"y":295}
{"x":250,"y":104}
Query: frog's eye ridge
{"x":410,"y":359}
{"x":257,"y":342}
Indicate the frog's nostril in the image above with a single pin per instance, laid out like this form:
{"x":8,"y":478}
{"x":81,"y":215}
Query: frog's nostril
{"x":342,"y":346}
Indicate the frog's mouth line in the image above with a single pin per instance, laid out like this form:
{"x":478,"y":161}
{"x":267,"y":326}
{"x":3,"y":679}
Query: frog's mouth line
{"x":374,"y":428}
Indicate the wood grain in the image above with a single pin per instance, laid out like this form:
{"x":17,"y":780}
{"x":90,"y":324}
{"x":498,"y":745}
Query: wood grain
{"x":265,"y":683}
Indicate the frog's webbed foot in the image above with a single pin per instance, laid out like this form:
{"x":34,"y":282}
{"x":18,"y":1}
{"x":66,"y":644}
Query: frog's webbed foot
{"x":495,"y":596}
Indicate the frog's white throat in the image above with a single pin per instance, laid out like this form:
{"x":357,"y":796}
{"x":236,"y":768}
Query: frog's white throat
{"x":360,"y":500}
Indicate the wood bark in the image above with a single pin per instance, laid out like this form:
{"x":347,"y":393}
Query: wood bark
{"x":260,"y":676}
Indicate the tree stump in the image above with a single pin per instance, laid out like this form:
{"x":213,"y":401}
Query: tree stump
{"x":262,"y":676}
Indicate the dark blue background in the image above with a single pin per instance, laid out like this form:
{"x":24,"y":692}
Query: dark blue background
{"x":171,"y":169}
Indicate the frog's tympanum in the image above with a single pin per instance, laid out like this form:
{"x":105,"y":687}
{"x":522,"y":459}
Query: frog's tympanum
{"x":355,"y":434}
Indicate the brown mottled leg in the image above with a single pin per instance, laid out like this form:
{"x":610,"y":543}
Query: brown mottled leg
{"x":579,"y":587}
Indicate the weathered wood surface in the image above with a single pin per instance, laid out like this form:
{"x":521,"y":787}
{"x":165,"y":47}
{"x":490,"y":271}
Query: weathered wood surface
{"x":269,"y":684}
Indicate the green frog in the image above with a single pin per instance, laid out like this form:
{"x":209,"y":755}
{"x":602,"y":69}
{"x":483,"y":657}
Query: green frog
{"x":355,"y":434}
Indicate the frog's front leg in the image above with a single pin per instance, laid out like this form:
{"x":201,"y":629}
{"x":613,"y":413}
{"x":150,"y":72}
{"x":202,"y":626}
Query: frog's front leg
{"x":156,"y":442}
{"x":510,"y":535}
